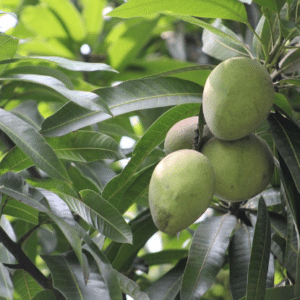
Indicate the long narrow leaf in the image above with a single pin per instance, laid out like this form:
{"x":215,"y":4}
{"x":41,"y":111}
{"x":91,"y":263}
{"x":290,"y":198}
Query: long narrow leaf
{"x":152,"y":138}
{"x":207,"y":255}
{"x":287,"y":138}
{"x":33,"y":144}
{"x":260,"y":253}
{"x":126,"y":97}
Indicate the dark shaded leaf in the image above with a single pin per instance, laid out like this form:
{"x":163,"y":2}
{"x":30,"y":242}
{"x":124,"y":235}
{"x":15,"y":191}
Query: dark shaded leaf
{"x":239,"y":259}
{"x":44,"y":295}
{"x":287,"y":138}
{"x":207,"y":255}
{"x":165,"y":256}
{"x":260,"y":254}
{"x":168,"y":286}
{"x":122,"y":255}
{"x":105,"y":218}
{"x":33,"y":144}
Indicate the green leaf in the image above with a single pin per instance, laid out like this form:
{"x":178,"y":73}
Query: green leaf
{"x":73,"y":65}
{"x":274,"y":5}
{"x":260,"y":253}
{"x":223,"y":35}
{"x":131,"y":288}
{"x":279,"y":293}
{"x":287,"y":136}
{"x":79,"y":146}
{"x":33,"y":144}
{"x":164,"y":256}
{"x":221,"y":47}
{"x":106,"y":270}
{"x":8,"y":47}
{"x":152,"y":138}
{"x":85,"y":99}
{"x":281,"y":101}
{"x":126,"y":97}
{"x":67,"y":14}
{"x":122,"y":255}
{"x":44,"y":295}
{"x":28,"y":112}
{"x":66,"y":268}
{"x":239,"y":259}
{"x":62,"y":216}
{"x":92,"y":15}
{"x":295,"y":82}
{"x":168,"y":286}
{"x":21,"y":211}
{"x":6,"y":285}
{"x":126,"y":46}
{"x":207,"y":255}
{"x":104,"y":217}
{"x":25,"y":286}
{"x":230,"y":9}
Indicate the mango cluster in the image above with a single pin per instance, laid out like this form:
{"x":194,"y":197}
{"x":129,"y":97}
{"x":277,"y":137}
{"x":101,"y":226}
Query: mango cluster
{"x":234,"y":164}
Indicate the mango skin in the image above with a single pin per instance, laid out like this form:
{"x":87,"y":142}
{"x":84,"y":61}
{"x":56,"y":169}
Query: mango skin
{"x":237,"y":98}
{"x":180,"y":190}
{"x":243,"y":168}
{"x":182,"y":135}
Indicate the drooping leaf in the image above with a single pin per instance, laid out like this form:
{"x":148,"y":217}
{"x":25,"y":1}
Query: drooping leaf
{"x":70,"y":17}
{"x":239,"y":259}
{"x":66,"y":268}
{"x":8,"y":47}
{"x":33,"y":144}
{"x":44,"y":295}
{"x":131,"y":288}
{"x":28,"y":112}
{"x":207,"y":255}
{"x":279,"y":293}
{"x":125,"y":97}
{"x":122,"y":255}
{"x":164,"y":256}
{"x":20,"y":210}
{"x":152,"y":138}
{"x":287,"y":138}
{"x":78,"y":146}
{"x":260,"y":254}
{"x":219,"y":47}
{"x":104,"y":217}
{"x":274,"y":5}
{"x":127,"y":45}
{"x":106,"y":270}
{"x":233,"y":10}
{"x":85,"y":99}
{"x":168,"y":286}
{"x":25,"y":286}
{"x":6,"y":284}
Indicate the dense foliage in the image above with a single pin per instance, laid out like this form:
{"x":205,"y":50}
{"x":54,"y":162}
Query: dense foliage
{"x":75,"y":85}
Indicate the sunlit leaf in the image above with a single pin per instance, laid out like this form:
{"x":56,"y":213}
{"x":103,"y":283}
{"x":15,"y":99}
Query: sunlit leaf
{"x":274,"y":5}
{"x":8,"y":47}
{"x":25,"y":286}
{"x":230,"y":9}
{"x":123,"y":98}
{"x":85,"y":99}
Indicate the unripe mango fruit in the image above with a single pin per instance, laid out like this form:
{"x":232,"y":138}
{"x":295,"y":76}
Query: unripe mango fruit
{"x":180,"y":190}
{"x":237,"y":98}
{"x":243,"y":168}
{"x":182,"y":135}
